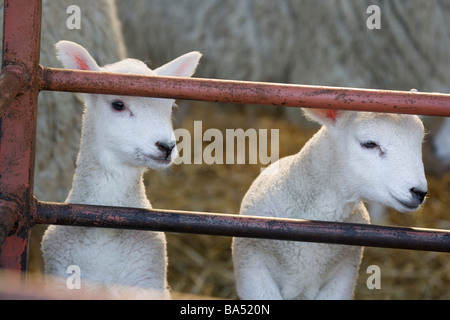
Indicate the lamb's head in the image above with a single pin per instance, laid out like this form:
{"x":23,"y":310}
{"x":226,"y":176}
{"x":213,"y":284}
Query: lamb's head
{"x":135,"y":131}
{"x":378,"y":155}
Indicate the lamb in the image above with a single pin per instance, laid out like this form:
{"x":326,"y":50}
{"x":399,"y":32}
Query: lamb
{"x":59,"y":113}
{"x":355,"y":156}
{"x":121,"y":137}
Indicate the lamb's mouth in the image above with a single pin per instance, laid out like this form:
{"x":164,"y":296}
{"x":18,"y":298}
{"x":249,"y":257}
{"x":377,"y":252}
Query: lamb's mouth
{"x":408,"y":205}
{"x":159,"y":160}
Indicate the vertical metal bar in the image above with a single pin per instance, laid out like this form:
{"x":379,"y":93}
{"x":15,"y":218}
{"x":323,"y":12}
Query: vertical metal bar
{"x":21,"y":47}
{"x":11,"y":82}
{"x":7,"y":219}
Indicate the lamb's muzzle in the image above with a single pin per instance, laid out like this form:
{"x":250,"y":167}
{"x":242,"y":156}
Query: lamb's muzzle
{"x":166,"y":149}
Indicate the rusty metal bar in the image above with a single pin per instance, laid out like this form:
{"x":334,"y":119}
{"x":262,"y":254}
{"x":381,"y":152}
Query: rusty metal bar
{"x":246,"y":92}
{"x":8,"y":218}
{"x":21,"y":48}
{"x":11,"y":83}
{"x":243,"y":226}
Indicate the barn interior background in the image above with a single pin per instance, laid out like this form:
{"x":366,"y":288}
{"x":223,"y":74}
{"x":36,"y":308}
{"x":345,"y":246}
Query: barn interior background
{"x":303,"y":42}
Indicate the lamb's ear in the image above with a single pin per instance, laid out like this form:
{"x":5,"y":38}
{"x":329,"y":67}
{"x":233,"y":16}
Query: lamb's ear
{"x":74,"y":56}
{"x":323,"y":116}
{"x":183,"y":66}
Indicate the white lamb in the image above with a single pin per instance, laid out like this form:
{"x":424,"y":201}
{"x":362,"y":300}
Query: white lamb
{"x":121,"y":137}
{"x":355,"y":156}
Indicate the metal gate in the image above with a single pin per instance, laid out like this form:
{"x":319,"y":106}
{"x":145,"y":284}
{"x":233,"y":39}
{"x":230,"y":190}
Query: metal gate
{"x":22,"y":78}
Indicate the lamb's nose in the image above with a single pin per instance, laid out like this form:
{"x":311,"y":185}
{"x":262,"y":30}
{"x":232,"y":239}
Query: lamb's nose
{"x":418,"y":194}
{"x":165,"y":148}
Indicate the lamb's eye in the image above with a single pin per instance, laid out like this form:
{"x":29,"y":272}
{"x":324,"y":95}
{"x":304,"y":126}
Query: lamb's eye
{"x":369,"y":145}
{"x":118,"y":105}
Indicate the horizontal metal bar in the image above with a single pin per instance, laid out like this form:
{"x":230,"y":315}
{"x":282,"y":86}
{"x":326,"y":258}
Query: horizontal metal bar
{"x":243,"y":226}
{"x":246,"y":92}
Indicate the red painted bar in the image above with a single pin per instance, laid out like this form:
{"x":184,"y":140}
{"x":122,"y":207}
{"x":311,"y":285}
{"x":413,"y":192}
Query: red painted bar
{"x":11,"y":82}
{"x":8,"y":217}
{"x":21,"y":46}
{"x":246,"y":92}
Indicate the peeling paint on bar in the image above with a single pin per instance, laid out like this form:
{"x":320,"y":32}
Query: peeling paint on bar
{"x":20,"y":61}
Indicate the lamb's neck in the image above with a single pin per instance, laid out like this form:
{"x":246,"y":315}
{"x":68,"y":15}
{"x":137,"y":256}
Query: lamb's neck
{"x":100,"y":184}
{"x":319,"y":171}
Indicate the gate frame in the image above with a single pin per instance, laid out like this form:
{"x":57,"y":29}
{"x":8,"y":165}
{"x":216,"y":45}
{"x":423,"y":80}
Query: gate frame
{"x":22,"y":78}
